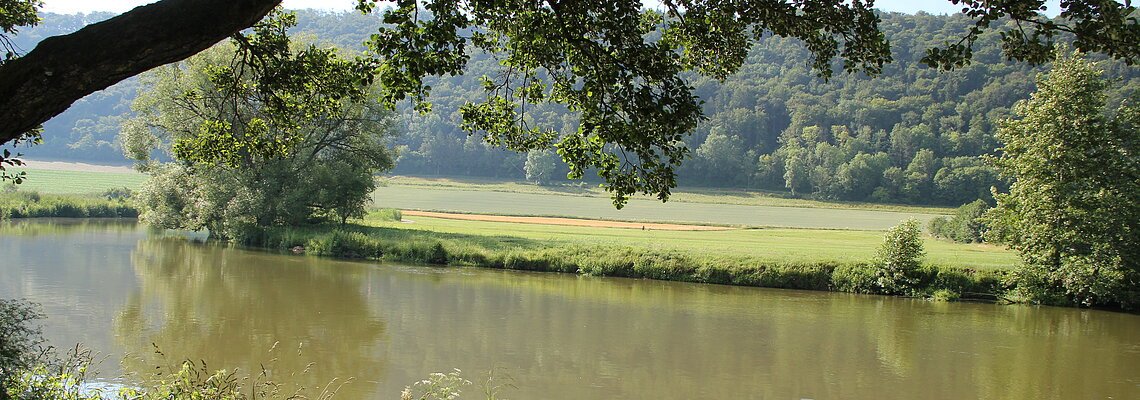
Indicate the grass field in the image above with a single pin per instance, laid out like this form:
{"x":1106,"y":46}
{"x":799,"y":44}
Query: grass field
{"x":682,"y":195}
{"x":775,"y":245}
{"x":79,"y":182}
{"x":504,"y":198}
{"x":467,"y":200}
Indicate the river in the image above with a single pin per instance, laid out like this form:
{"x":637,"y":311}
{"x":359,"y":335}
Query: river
{"x":124,"y":291}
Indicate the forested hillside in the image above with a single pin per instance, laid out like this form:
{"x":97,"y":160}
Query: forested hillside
{"x":910,"y":135}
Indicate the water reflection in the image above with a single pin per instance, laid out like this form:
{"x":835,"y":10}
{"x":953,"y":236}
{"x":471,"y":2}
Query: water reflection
{"x":230,"y":307}
{"x":577,"y":337}
{"x":559,"y":336}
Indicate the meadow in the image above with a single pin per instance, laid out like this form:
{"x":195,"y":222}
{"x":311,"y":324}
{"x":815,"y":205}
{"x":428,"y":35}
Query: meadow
{"x":472,"y":199}
{"x":48,"y":181}
{"x":767,"y":245}
{"x":680,"y":195}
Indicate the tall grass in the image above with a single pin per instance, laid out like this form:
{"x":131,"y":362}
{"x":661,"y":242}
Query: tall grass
{"x":35,"y":205}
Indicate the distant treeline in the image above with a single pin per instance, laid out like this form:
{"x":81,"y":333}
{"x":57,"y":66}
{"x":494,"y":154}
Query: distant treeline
{"x":910,"y":135}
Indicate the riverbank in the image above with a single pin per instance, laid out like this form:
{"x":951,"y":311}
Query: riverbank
{"x":25,"y":204}
{"x":673,"y":256}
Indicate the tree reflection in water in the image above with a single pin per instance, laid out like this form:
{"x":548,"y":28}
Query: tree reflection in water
{"x":229,"y":307}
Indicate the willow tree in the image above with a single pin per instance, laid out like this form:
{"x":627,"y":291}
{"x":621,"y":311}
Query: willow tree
{"x":262,"y":132}
{"x":1073,"y":210}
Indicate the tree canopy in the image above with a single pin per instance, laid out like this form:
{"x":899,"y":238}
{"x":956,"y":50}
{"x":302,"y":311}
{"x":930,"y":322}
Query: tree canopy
{"x":263,"y":132}
{"x":1073,"y":211}
{"x":616,"y":65}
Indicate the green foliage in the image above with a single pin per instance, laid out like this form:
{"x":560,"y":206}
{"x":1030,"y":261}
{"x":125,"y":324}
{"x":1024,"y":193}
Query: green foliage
{"x":389,"y":214}
{"x":597,"y":59}
{"x":1106,"y":27}
{"x":21,"y":204}
{"x":855,"y":278}
{"x":966,"y":226}
{"x":540,"y":166}
{"x":1073,"y":210}
{"x":945,"y":295}
{"x":437,"y":386}
{"x":13,"y":15}
{"x":899,"y":258}
{"x":948,"y":114}
{"x":21,"y":341}
{"x":283,"y":94}
{"x":264,"y":135}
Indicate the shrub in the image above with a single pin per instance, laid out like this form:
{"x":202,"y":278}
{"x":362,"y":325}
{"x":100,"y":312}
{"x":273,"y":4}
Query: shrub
{"x":899,"y":258}
{"x":21,"y":341}
{"x":855,"y":278}
{"x":966,"y":226}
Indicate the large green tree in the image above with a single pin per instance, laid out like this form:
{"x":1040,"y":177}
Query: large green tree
{"x":1073,"y":210}
{"x":262,"y":133}
{"x":618,"y":66}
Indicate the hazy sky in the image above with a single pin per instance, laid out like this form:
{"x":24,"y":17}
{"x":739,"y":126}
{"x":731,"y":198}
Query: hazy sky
{"x":74,"y":6}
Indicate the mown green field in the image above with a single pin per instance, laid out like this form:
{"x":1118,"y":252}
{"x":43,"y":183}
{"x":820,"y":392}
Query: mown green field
{"x":684,"y":194}
{"x":469,"y":200}
{"x":79,"y":182}
{"x":773,"y":245}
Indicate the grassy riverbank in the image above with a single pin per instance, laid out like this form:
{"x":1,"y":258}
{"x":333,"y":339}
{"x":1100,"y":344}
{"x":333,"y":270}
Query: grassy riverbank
{"x":778,"y":258}
{"x":25,"y":204}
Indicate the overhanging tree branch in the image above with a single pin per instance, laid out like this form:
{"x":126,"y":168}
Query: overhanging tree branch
{"x":63,"y":69}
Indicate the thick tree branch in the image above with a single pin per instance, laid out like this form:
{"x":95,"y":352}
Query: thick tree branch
{"x":63,"y":69}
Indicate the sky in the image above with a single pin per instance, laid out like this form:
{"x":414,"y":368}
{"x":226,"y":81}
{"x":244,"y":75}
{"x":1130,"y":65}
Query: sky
{"x":75,"y":6}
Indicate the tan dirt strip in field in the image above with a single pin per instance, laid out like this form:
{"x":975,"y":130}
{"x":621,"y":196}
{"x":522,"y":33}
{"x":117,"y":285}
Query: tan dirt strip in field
{"x":566,"y":221}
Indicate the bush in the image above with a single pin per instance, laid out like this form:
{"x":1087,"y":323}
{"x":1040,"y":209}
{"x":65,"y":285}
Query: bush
{"x":898,"y":260}
{"x":855,"y":278}
{"x":966,"y":226}
{"x":21,"y":341}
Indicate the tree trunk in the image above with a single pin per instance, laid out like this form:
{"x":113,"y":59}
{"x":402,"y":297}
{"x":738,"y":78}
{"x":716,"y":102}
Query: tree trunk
{"x":63,"y":69}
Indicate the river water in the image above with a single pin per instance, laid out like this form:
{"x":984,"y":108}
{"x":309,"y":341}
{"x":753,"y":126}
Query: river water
{"x":124,"y":291}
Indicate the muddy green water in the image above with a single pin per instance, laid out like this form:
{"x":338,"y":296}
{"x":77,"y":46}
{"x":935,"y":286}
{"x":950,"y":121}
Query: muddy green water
{"x":118,"y":289}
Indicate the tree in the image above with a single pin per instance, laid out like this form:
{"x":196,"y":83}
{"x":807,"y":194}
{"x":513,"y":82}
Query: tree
{"x":617,"y":66}
{"x":1073,"y":210}
{"x":721,"y":157}
{"x":540,"y":166}
{"x":263,"y":133}
{"x":899,"y":258}
{"x":968,"y":224}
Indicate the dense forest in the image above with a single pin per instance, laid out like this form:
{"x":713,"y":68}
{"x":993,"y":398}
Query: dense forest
{"x":909,"y":135}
